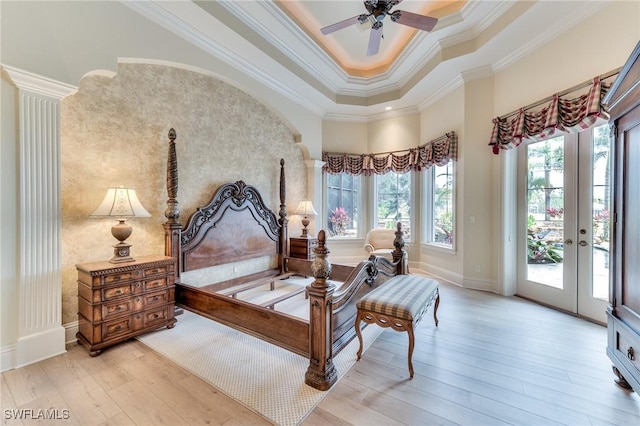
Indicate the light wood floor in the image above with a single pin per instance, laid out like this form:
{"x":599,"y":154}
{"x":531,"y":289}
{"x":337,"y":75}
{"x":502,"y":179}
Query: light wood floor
{"x":491,"y":361}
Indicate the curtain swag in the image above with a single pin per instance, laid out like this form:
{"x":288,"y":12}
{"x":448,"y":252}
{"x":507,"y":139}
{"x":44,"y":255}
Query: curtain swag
{"x":560,"y":114}
{"x":438,"y":151}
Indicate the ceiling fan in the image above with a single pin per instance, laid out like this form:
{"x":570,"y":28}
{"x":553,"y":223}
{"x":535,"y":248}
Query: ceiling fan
{"x":378,"y":10}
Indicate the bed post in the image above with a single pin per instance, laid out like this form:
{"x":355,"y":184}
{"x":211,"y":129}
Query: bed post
{"x":322,"y":373}
{"x":172,"y":227}
{"x":399,"y":255}
{"x":283,"y":221}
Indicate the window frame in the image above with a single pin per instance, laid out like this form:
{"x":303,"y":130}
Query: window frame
{"x":428,"y":202}
{"x":358,"y":202}
{"x":412,"y":204}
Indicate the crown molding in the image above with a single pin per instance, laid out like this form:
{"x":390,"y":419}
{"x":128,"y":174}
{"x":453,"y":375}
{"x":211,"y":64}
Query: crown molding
{"x":38,"y":84}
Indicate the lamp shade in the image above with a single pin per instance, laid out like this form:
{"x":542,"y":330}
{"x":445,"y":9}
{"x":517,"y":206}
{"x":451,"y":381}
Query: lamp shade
{"x":120,"y":202}
{"x":305,"y":208}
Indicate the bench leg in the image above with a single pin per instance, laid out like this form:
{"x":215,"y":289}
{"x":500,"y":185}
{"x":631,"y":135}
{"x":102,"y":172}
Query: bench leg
{"x":359,"y":334}
{"x":435,"y":306}
{"x":411,"y":343}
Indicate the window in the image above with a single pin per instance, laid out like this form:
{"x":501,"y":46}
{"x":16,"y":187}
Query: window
{"x":343,"y":205}
{"x":439,"y":202}
{"x":393,"y":195}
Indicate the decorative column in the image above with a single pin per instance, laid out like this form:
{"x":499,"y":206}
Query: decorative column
{"x":40,"y":331}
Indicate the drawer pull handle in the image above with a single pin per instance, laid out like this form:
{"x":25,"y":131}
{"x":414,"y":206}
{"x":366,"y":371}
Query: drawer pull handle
{"x":118,"y":291}
{"x":137,"y":299}
{"x":118,"y":327}
{"x":138,"y":285}
{"x":156,"y":315}
{"x":118,"y":308}
{"x":631,"y":354}
{"x":116,"y":278}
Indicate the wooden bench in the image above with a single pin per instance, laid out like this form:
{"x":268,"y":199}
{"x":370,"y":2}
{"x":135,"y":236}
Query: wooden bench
{"x":399,"y":303}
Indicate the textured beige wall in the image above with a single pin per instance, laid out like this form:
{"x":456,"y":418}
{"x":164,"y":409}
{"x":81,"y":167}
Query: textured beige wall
{"x":114,"y":132}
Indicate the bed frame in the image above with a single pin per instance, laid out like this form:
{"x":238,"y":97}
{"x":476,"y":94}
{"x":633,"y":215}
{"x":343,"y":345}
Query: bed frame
{"x":236,"y":225}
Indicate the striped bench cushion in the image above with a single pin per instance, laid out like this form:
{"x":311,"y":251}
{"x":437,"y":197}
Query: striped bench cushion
{"x":402,"y":296}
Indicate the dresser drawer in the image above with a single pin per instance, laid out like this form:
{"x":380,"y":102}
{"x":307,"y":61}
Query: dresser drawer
{"x":106,"y":311}
{"x":155,"y":316}
{"x":157,"y":270}
{"x":150,"y":300}
{"x":114,"y":292}
{"x":155,"y":283}
{"x":119,"y":327}
{"x":120,"y":277}
{"x":627,"y":346}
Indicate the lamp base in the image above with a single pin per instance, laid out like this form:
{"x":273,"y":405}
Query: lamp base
{"x":305,"y":230}
{"x":121,"y":253}
{"x":121,"y":231}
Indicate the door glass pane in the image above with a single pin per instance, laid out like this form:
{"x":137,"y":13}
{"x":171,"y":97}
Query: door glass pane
{"x":545,"y":220}
{"x":601,"y":206}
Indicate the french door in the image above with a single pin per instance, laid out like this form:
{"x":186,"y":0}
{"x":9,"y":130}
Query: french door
{"x":564,"y":200}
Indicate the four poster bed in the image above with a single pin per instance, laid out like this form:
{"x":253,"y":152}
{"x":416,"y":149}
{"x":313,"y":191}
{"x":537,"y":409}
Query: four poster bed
{"x":236,"y":226}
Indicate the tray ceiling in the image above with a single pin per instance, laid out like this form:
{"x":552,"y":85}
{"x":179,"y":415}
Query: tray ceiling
{"x":280,"y":44}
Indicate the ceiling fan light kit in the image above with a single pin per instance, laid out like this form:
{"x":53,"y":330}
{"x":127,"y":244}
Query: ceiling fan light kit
{"x":378,"y":10}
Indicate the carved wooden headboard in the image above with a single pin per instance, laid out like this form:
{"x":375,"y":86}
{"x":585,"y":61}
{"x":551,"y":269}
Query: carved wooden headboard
{"x":235,"y":225}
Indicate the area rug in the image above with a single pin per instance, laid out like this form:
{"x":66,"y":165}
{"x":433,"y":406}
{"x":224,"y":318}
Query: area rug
{"x":265,"y":378}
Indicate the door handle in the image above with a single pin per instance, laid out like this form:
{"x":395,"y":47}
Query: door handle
{"x":583,"y":243}
{"x":568,"y":242}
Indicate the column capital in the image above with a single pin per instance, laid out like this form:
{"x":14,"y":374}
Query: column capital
{"x":38,"y":84}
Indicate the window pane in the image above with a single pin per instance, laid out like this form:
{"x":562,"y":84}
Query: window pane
{"x":343,"y":192}
{"x":443,"y":204}
{"x":394,"y":201}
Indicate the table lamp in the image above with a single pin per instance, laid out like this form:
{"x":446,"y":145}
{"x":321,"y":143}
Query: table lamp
{"x":121,"y":203}
{"x":305,"y":209}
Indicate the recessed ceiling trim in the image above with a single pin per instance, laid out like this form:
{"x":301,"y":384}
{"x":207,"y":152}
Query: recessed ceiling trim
{"x":284,"y":44}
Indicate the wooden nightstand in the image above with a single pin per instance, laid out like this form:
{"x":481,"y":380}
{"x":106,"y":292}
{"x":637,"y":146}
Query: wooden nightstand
{"x":302,"y":248}
{"x":119,"y":301}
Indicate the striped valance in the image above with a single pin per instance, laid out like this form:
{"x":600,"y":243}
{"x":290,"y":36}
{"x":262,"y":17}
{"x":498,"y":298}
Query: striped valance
{"x":559,"y":114}
{"x":438,"y":151}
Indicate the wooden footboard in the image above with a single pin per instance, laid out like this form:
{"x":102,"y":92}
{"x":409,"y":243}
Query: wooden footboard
{"x":283,"y":330}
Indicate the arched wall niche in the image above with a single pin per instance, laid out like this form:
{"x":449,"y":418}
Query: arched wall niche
{"x":114,"y":132}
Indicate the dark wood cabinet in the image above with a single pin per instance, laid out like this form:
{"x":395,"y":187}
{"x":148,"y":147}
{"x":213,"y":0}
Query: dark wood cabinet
{"x":623,"y":313}
{"x":119,"y":301}
{"x":302,"y":247}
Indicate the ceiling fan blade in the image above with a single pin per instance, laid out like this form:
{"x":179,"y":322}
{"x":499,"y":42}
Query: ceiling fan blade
{"x":421,"y":22}
{"x":374,"y":41}
{"x":340,"y":25}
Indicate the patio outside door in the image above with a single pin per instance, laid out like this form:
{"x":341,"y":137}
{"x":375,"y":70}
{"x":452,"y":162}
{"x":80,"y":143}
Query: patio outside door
{"x":564,"y":203}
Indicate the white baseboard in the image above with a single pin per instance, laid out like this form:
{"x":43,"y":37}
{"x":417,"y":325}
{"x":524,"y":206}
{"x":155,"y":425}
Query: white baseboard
{"x":39,"y":346}
{"x":441,"y":273}
{"x":7,"y":358}
{"x":70,"y":330}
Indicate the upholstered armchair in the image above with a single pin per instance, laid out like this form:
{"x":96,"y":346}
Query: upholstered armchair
{"x":379,"y":242}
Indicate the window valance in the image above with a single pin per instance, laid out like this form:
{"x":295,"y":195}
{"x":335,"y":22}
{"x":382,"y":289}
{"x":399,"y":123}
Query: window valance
{"x":438,"y":151}
{"x":560,"y":113}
